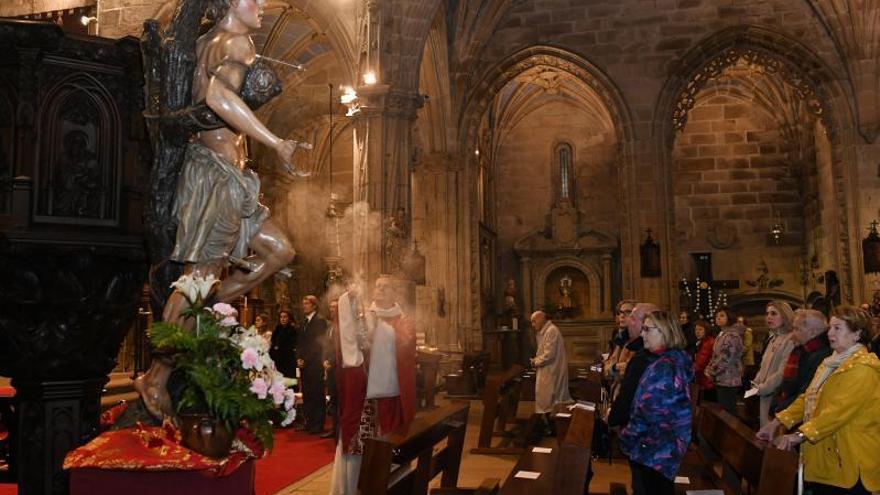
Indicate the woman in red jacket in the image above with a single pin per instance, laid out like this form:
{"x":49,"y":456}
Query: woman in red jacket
{"x":705,"y":342}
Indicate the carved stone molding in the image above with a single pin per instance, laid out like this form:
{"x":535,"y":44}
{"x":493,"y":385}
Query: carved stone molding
{"x":388,"y":101}
{"x":813,"y":81}
{"x":772,"y":63}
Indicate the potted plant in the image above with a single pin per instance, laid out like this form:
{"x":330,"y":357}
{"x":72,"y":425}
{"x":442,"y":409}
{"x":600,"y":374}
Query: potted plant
{"x":229,"y":380}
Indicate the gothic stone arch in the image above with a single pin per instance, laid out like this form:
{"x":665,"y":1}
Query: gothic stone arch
{"x":815,"y":81}
{"x":493,"y":80}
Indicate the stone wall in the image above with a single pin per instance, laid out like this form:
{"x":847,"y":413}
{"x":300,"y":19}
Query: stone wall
{"x":640,"y":47}
{"x":524,"y":189}
{"x":732,"y":182}
{"x":15,"y":8}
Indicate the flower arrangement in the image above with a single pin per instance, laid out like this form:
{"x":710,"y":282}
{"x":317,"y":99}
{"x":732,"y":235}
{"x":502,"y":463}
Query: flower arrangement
{"x":226,"y":368}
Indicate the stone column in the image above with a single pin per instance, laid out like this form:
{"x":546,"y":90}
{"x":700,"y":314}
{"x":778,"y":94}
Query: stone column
{"x":382,"y":161}
{"x":525,"y":270}
{"x":434,"y":220}
{"x":606,"y":284}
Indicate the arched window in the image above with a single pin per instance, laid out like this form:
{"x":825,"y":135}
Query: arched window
{"x":564,"y":174}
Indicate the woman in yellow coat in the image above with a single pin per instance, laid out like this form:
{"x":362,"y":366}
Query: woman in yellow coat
{"x":839,"y":414}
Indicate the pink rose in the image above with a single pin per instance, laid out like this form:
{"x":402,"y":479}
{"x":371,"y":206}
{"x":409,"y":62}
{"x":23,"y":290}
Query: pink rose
{"x":260,"y":387}
{"x":224,"y":309}
{"x":277,"y":391}
{"x":251,"y":360}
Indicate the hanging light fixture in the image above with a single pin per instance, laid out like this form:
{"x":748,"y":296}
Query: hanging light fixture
{"x":777,"y":232}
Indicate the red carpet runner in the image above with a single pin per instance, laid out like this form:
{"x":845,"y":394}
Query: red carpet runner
{"x":295,"y":456}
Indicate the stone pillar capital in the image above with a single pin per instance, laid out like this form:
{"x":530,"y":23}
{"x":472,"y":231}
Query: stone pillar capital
{"x":384,"y":100}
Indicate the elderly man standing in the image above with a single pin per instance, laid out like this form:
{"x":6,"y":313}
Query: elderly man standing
{"x":551,"y":383}
{"x":618,"y":415}
{"x":810,"y":337}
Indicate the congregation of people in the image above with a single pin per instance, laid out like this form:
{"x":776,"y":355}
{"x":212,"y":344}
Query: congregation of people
{"x":811,"y":384}
{"x":816,"y":381}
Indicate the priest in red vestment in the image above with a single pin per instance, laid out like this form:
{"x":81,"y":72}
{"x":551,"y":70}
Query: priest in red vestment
{"x":375,"y":374}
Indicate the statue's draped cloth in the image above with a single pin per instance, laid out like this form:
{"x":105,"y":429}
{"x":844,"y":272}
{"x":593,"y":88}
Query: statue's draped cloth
{"x":217,"y":208}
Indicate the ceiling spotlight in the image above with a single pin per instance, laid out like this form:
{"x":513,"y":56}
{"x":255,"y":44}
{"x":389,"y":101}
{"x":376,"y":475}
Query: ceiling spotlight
{"x":370,"y":78}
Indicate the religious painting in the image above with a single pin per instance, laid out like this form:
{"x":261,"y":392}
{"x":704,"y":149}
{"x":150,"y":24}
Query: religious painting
{"x":871,"y":250}
{"x":77,"y":181}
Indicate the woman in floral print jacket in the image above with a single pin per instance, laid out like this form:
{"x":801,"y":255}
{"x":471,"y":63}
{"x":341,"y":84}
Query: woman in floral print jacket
{"x":659,"y":430}
{"x":725,"y":368}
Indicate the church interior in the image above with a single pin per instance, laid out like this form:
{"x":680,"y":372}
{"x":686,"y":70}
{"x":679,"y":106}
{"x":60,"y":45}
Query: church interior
{"x":496,"y":159}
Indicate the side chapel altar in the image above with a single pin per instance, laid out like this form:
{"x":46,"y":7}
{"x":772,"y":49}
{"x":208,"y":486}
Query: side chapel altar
{"x":568,"y":275}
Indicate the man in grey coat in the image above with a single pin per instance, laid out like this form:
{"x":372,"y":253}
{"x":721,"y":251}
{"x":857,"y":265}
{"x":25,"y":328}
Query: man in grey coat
{"x":551,"y":365}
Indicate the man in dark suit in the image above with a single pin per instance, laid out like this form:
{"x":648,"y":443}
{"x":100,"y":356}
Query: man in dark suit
{"x":310,"y":358}
{"x":330,"y":368}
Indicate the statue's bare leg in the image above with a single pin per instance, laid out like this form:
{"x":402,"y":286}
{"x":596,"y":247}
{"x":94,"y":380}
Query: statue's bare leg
{"x":152,"y":385}
{"x":273,"y":252}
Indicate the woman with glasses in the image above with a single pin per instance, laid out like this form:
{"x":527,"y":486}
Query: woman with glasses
{"x":659,"y":429}
{"x":617,"y":346}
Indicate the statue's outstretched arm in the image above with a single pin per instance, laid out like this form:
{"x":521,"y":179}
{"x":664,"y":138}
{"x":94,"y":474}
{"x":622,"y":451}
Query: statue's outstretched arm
{"x":229,"y":107}
{"x":225,"y":102}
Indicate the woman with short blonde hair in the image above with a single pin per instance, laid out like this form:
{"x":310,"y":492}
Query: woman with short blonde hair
{"x":673,"y":337}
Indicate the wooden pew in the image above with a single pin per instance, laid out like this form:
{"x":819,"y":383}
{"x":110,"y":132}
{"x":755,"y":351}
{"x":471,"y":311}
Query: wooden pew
{"x":744,"y":460}
{"x":564,"y":417}
{"x":565,"y":470}
{"x":427,"y":364}
{"x":500,"y":401}
{"x":733,"y":443}
{"x":469,"y":382}
{"x":585,"y":384}
{"x":434,"y":443}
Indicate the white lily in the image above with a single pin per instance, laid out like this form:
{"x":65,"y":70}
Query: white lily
{"x":195,"y":288}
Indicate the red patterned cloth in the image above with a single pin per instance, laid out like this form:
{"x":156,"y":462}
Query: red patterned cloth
{"x":154,"y":448}
{"x":115,"y":482}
